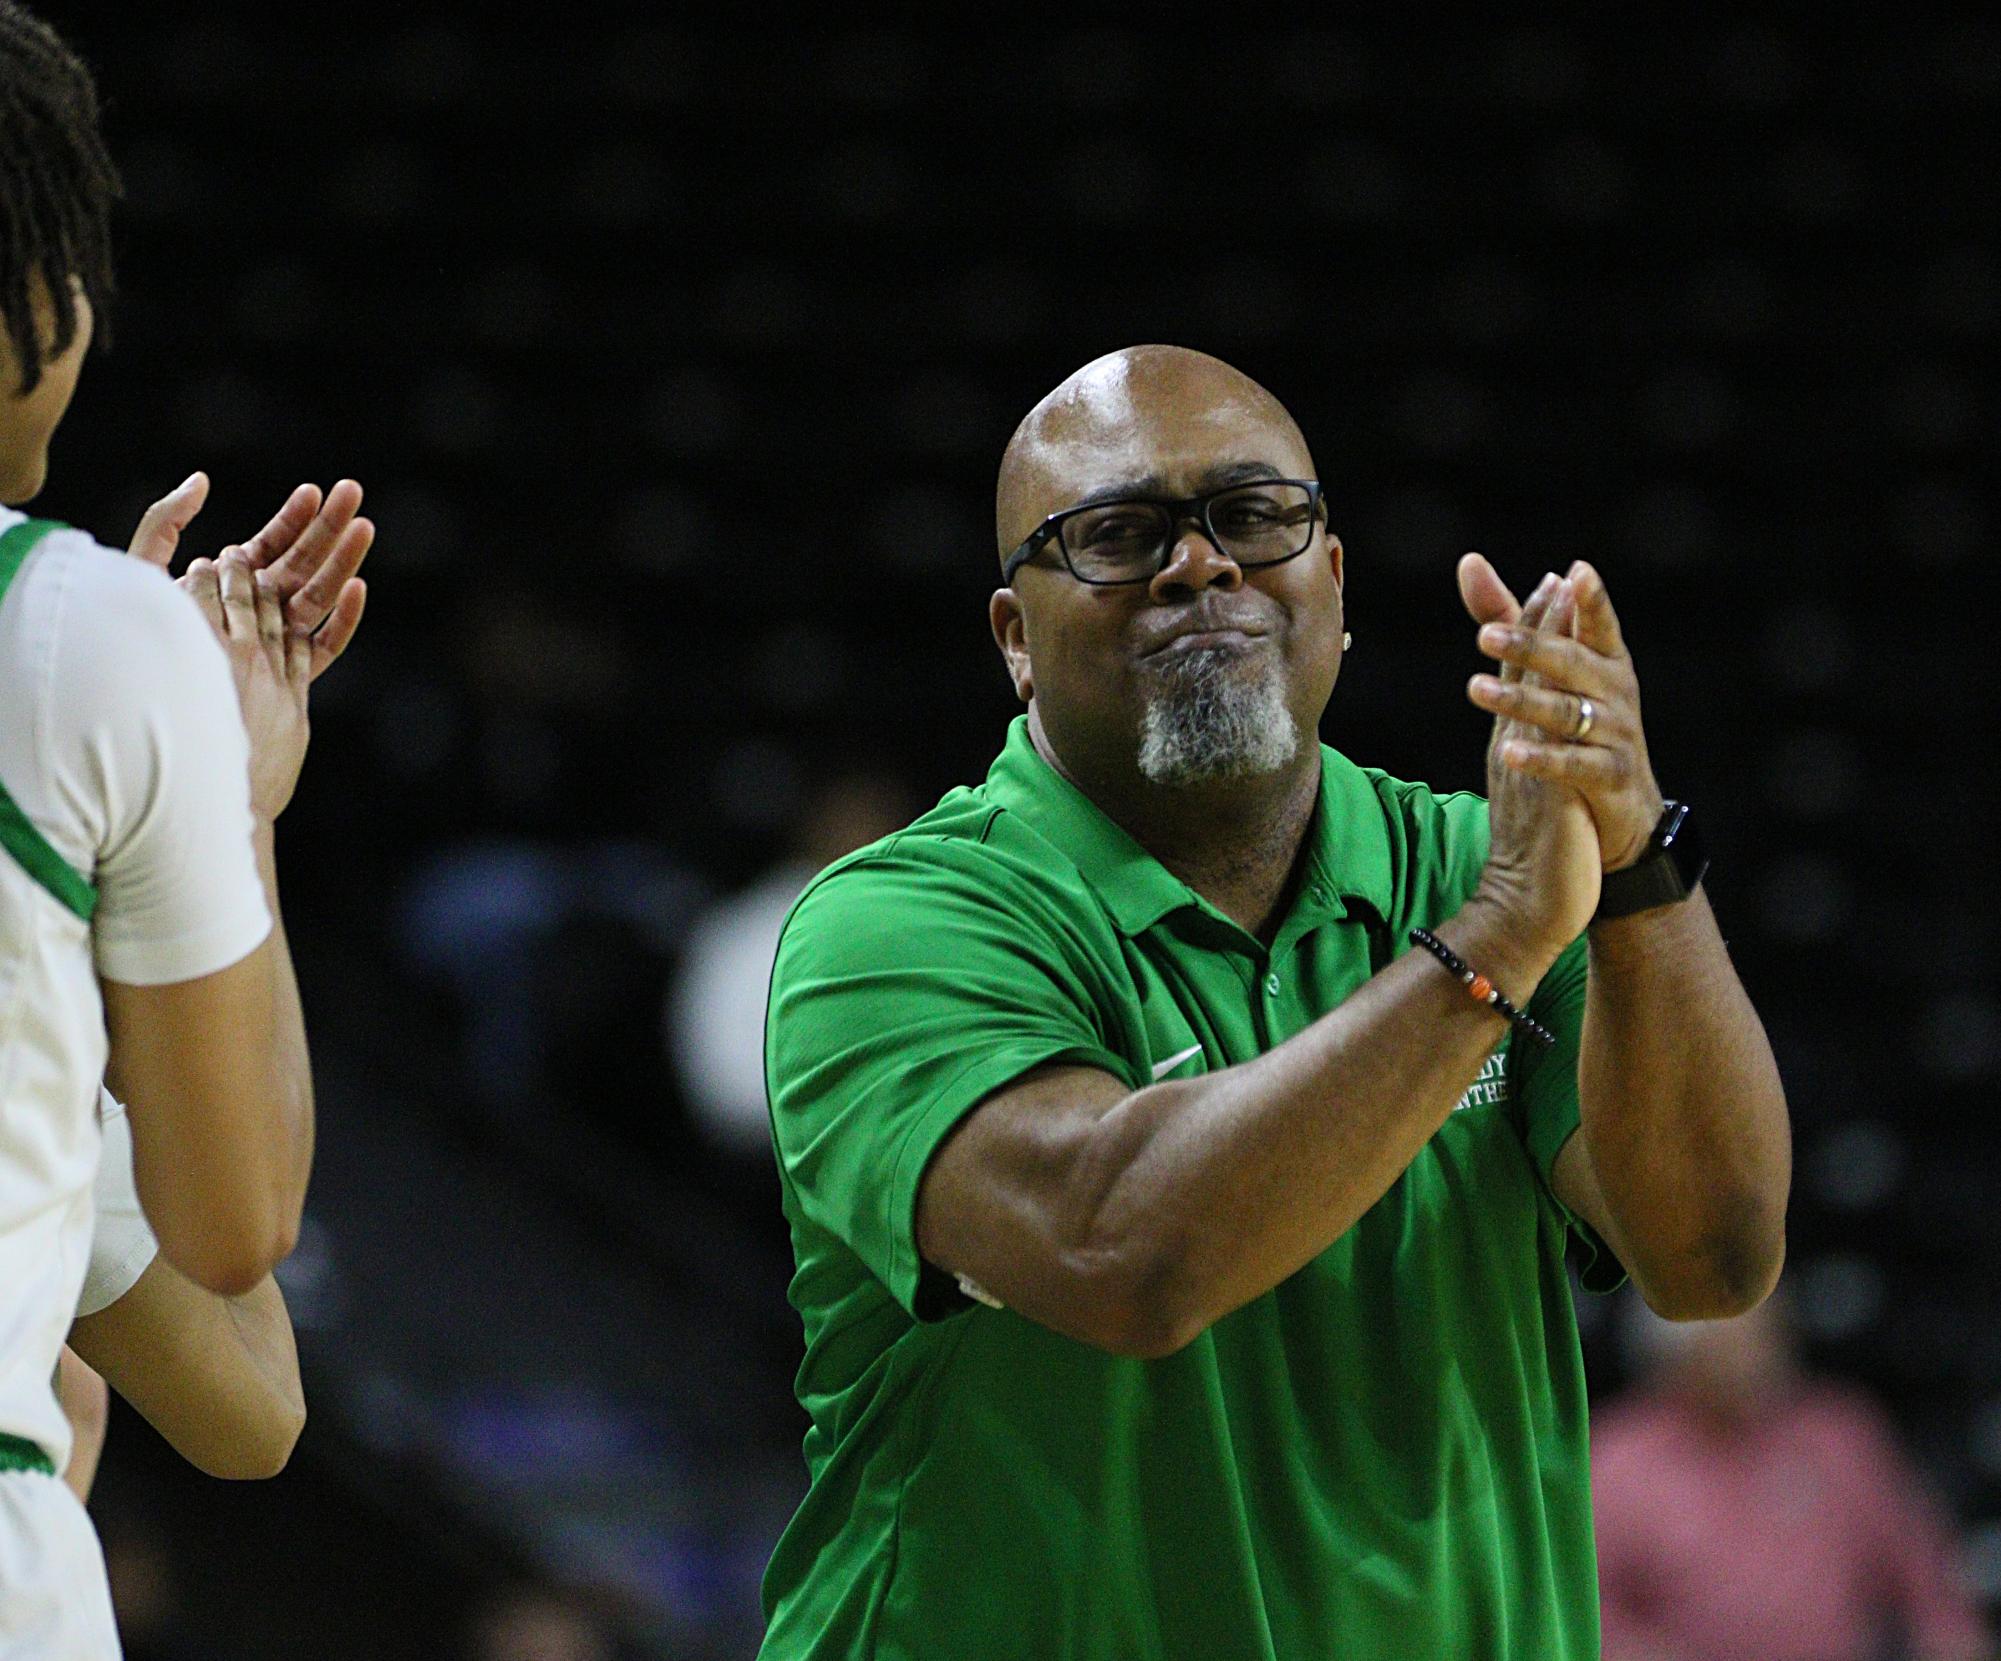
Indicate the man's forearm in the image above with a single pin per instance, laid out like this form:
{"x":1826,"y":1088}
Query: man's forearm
{"x":1683,"y":1112}
{"x":1236,"y":1179}
{"x":291,"y":1064}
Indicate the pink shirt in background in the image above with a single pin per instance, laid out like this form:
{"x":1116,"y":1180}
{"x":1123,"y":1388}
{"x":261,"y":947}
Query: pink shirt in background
{"x":1802,"y":1536}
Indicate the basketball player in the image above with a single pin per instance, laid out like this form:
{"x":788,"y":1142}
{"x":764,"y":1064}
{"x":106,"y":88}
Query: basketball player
{"x":217,"y":1377}
{"x":141,"y":771}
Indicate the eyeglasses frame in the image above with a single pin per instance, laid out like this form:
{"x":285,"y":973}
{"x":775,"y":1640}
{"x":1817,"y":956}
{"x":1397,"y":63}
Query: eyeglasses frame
{"x":1180,"y":510}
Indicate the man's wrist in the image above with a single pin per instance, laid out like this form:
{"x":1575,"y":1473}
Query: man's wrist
{"x":1618,"y":942}
{"x":1496,"y":940}
{"x":1641,"y":840}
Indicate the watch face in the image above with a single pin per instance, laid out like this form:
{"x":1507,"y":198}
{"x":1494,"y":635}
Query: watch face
{"x":1668,"y":871}
{"x":1686,"y":848}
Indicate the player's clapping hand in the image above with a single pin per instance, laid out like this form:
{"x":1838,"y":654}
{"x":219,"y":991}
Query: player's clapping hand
{"x":306,"y":557}
{"x":272,"y":666}
{"x":1570,"y":692}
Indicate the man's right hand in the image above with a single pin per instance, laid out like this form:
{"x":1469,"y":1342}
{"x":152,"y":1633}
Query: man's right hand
{"x":1544,"y":866}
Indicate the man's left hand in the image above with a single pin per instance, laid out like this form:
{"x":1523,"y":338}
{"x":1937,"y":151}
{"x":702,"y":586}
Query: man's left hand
{"x":1582,"y":671}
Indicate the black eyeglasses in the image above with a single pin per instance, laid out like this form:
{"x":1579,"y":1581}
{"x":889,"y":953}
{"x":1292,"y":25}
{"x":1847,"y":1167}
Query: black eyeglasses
{"x":1107,"y":543}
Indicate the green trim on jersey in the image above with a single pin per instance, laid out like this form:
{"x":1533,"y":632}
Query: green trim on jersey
{"x":19,"y":1454}
{"x":1382,"y":1457}
{"x":17,"y":835}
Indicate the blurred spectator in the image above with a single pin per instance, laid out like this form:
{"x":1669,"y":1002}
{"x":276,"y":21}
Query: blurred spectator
{"x":1748,"y":1512}
{"x":487,"y":919}
{"x":528,"y":1623}
{"x":715,"y":1012}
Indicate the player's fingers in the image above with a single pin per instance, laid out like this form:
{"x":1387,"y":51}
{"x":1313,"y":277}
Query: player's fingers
{"x":340,"y":625}
{"x":309,"y":607}
{"x":239,"y":596}
{"x":285,"y":527}
{"x":160,"y":526}
{"x":298,"y":649}
{"x":201,"y":583}
{"x":270,"y":609}
{"x":297,"y":563}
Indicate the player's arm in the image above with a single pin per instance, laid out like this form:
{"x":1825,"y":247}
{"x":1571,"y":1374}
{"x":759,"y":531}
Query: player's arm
{"x":218,"y":1377}
{"x":87,"y":1406}
{"x":1134,"y":1219}
{"x":223,"y":1139}
{"x":1683,"y":1160}
{"x":182,"y":1043}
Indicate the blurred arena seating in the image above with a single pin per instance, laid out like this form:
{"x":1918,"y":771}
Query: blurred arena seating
{"x":677,"y":361}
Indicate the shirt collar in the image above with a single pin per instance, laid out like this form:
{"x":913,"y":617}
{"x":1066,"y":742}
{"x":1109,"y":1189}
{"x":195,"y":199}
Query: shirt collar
{"x":1348,"y":858}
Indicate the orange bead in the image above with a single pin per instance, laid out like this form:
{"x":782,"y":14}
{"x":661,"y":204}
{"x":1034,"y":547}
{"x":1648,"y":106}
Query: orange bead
{"x":1481,"y":987}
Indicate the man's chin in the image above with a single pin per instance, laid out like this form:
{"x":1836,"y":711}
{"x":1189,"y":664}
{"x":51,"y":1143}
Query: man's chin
{"x":1229,"y":727}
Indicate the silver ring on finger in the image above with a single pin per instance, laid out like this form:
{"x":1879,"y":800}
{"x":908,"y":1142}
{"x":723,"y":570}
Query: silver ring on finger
{"x":1587,"y":713}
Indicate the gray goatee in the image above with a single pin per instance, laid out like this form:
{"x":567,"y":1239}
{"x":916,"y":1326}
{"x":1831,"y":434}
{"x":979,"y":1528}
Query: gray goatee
{"x":1216,"y":713}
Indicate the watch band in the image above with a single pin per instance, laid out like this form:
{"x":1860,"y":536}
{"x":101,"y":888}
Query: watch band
{"x":1667,"y":872}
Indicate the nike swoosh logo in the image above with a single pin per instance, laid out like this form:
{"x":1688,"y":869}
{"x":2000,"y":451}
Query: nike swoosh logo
{"x":1162,"y":1068}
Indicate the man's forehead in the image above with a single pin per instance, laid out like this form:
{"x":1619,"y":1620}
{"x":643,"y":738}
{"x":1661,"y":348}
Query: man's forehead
{"x":1162,"y":458}
{"x":1154,"y":419}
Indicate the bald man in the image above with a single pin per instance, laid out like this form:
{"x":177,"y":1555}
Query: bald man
{"x":1182,"y":1131}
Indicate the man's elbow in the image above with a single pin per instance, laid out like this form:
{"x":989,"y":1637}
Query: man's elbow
{"x":1139,"y":1303}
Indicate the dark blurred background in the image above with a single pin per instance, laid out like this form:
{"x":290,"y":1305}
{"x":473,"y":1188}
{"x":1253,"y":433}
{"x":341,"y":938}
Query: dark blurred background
{"x":677,"y":359}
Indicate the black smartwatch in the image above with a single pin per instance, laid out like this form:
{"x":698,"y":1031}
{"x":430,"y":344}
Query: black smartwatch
{"x":1668,"y":871}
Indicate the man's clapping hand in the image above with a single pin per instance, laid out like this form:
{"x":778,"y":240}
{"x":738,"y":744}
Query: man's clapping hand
{"x":1543,"y":861}
{"x":306,"y":558}
{"x":1555,"y":669}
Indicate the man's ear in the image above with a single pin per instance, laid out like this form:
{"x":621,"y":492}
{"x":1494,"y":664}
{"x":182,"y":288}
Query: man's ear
{"x":1010,"y":626}
{"x":1337,"y":557}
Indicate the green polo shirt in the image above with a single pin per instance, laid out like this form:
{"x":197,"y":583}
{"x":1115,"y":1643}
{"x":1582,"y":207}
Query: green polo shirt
{"x":1384,"y":1456}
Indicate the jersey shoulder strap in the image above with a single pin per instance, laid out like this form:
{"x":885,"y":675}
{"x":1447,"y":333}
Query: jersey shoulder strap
{"x":18,"y":837}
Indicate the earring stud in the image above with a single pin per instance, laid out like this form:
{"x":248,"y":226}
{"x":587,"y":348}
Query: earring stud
{"x":1347,"y":641}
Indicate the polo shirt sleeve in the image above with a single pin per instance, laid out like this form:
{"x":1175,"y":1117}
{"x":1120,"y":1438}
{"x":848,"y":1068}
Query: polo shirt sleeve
{"x":1549,"y":1105}
{"x":909,"y":986}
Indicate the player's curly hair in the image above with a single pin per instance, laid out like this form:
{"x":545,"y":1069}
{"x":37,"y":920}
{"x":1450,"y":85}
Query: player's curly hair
{"x":57,"y":185}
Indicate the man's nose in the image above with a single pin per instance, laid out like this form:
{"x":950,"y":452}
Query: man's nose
{"x":1194,"y":563}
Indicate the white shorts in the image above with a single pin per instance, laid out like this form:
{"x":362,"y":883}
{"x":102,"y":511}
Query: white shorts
{"x":54,"y":1602}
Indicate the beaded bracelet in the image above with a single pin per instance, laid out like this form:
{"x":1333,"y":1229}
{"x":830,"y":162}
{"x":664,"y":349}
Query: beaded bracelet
{"x":1480,"y":987}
